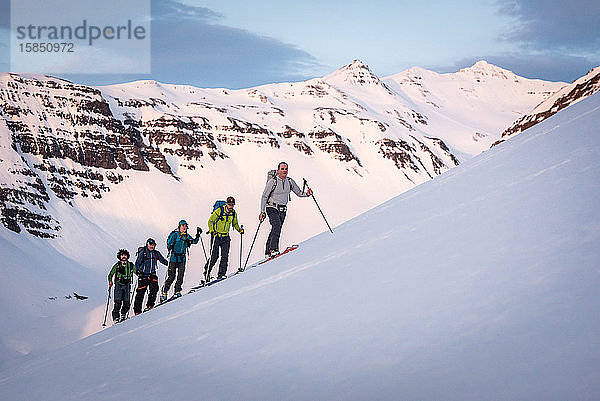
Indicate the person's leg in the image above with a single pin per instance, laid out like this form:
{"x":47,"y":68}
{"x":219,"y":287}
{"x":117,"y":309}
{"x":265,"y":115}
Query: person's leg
{"x":277,"y":233}
{"x":180,"y":274}
{"x":171,"y":269}
{"x":153,"y":290}
{"x":214,"y":255}
{"x":139,"y":294}
{"x":225,"y":245}
{"x":118,"y":301}
{"x":273,"y":239}
{"x":126,"y":301}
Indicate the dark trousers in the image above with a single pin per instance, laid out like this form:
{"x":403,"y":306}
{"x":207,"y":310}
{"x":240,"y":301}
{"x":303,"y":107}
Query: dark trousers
{"x":175,"y":268}
{"x":145,"y":282}
{"x":121,"y":303}
{"x":222,"y":244}
{"x":276,"y":218}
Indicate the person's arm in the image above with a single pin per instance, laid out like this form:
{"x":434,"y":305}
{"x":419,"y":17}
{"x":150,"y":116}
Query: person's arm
{"x":235,"y":224}
{"x":269,"y":187}
{"x":212,"y":220}
{"x":131,"y":267}
{"x":298,"y":191}
{"x":171,"y":239}
{"x":161,"y":258}
{"x":111,"y":274}
{"x":193,"y":240}
{"x":138,"y":260}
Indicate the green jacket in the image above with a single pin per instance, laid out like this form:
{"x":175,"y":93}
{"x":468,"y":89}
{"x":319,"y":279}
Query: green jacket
{"x":122,"y":273}
{"x":220,"y":221}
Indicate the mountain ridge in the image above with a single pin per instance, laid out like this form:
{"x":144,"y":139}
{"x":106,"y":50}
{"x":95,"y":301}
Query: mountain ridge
{"x":567,"y":96}
{"x":350,"y":114}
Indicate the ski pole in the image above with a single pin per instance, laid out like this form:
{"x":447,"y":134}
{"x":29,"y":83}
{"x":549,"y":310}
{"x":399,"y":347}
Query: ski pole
{"x":203,"y":249}
{"x":106,"y":312}
{"x":199,"y":231}
{"x":318,"y":207}
{"x":137,"y":282}
{"x":241,"y":246}
{"x":252,"y":246}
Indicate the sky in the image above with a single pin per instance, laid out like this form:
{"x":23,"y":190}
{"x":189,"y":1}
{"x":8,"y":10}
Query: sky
{"x":237,"y":44}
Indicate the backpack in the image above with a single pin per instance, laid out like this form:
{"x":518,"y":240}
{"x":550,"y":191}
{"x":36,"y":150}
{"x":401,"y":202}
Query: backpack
{"x":121,"y":274}
{"x":140,"y":249}
{"x":220,"y":204}
{"x":171,"y":246}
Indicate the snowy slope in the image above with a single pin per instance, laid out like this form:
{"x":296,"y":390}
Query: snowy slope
{"x":92,"y":170}
{"x":479,"y":284}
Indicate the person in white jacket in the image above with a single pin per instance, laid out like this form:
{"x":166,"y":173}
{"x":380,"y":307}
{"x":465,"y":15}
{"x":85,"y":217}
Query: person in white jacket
{"x":274,"y":204}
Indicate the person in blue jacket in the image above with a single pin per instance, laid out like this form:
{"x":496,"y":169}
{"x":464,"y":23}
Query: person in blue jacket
{"x":145,"y":268}
{"x":178,"y":243}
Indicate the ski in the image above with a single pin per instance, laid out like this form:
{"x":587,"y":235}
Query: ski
{"x":206,"y":284}
{"x":252,"y":266}
{"x":267,"y":259}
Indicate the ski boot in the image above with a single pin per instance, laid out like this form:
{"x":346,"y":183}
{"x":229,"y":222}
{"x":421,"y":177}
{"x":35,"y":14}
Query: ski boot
{"x":177,"y":294}
{"x":163,"y":296}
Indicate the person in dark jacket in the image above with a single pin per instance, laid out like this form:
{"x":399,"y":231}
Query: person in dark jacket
{"x":145,"y":267}
{"x":122,"y":271}
{"x":178,"y":243}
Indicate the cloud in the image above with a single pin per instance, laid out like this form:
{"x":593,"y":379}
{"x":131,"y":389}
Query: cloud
{"x":189,"y":46}
{"x":553,"y":40}
{"x":568,"y":26}
{"x":174,"y":10}
{"x":217,"y":55}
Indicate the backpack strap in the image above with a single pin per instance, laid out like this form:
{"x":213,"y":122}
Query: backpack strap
{"x":272,"y":189}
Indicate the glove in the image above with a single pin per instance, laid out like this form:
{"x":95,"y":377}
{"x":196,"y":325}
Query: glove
{"x":242,"y":231}
{"x":109,"y":284}
{"x":261,"y":216}
{"x":198,"y":231}
{"x":138,"y":272}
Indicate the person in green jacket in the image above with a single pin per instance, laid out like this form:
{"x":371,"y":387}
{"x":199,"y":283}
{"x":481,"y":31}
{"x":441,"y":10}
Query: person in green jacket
{"x":122,"y":271}
{"x":219,"y":223}
{"x":178,"y":243}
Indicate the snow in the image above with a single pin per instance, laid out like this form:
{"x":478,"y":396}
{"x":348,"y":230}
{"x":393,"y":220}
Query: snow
{"x":479,"y":284}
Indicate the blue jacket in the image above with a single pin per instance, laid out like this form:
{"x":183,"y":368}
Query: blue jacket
{"x":178,"y":245}
{"x":147,"y":261}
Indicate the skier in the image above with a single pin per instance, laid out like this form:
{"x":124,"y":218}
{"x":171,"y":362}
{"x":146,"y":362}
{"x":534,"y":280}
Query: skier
{"x":274,"y":204}
{"x":122,"y":272}
{"x":145,"y":267}
{"x":219,"y":223}
{"x":178,"y":243}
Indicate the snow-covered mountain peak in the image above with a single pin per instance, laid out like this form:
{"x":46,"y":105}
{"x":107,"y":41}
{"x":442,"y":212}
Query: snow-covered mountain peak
{"x":356,"y":73}
{"x":483,"y":68}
